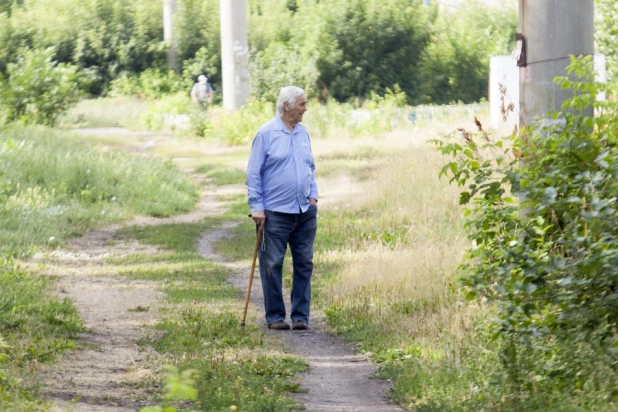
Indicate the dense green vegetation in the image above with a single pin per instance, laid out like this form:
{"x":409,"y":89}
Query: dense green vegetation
{"x":606,"y":31}
{"x":547,"y":263}
{"x":343,"y":49}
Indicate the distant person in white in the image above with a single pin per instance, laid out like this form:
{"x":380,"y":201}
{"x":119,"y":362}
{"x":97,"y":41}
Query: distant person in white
{"x":202,"y":91}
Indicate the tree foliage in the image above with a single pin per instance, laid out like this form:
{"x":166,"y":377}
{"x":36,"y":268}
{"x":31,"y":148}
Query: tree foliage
{"x":455,"y":63}
{"x":607,"y":33}
{"x":344,"y":49}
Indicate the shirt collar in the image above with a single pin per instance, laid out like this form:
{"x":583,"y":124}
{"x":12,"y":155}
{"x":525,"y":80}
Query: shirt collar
{"x":279,"y":125}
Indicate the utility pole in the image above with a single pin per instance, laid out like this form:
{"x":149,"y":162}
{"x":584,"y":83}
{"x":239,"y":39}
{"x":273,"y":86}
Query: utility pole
{"x":169,"y":9}
{"x":552,"y":30}
{"x":234,"y":53}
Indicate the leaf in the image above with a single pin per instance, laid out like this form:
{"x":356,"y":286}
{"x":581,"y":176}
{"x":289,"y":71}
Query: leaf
{"x":454,"y":167}
{"x":464,"y":197}
{"x":550,"y":194}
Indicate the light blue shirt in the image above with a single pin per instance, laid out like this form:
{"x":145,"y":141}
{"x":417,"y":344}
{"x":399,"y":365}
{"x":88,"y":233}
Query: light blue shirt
{"x":280,"y":174}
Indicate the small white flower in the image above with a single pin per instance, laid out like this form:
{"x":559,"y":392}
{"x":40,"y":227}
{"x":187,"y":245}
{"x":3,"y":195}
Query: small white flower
{"x":102,"y":212}
{"x":51,"y":239}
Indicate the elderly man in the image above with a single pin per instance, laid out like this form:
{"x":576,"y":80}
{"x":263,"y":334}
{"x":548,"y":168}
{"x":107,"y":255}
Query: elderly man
{"x":283,"y":198}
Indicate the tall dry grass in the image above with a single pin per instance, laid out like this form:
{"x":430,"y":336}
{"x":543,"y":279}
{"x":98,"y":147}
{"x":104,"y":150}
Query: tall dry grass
{"x":397,"y":268}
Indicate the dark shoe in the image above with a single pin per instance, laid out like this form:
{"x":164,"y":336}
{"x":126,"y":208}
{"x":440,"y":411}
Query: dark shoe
{"x":279,"y":325}
{"x":299,"y":325}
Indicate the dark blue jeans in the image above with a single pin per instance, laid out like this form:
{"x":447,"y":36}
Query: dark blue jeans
{"x":298,"y":230}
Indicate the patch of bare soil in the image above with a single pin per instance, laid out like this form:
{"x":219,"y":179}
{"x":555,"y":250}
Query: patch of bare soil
{"x":108,"y":373}
{"x":338,"y":379}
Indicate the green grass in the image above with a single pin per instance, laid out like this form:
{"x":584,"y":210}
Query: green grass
{"x":200,"y":327}
{"x":34,"y":329}
{"x":56,"y":187}
{"x":222,"y":175}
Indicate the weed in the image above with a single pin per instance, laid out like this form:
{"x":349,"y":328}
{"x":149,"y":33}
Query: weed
{"x":139,"y":308}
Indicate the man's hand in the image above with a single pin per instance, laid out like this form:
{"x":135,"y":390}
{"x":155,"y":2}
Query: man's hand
{"x":258,"y":217}
{"x":313,"y":202}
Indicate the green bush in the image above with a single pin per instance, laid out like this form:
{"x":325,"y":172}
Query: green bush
{"x":150,"y":84}
{"x":237,"y":127}
{"x":38,"y":90}
{"x":366,"y":46}
{"x":548,"y":262}
{"x":280,"y":66}
{"x":455,"y":64}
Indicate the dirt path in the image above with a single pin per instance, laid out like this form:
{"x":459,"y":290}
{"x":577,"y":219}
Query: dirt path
{"x":110,"y":374}
{"x":113,"y":373}
{"x":338,"y":380}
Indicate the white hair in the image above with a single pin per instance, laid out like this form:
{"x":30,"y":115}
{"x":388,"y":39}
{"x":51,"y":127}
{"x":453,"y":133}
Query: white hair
{"x":288,"y":94}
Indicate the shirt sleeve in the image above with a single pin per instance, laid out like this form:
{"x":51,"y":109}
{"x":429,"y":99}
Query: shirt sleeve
{"x":254,"y":174}
{"x":313,"y":187}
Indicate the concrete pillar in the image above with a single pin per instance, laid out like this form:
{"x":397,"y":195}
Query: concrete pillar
{"x":234,"y":53}
{"x":169,"y":9}
{"x":553,"y":30}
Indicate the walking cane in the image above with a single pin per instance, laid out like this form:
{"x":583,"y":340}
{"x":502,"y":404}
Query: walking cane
{"x":255,"y":251}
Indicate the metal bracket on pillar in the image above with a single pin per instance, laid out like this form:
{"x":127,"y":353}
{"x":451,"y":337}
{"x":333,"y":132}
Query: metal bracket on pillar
{"x":519,"y":54}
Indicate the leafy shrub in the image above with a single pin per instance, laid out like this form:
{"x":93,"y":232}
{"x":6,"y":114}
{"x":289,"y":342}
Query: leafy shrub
{"x":547,"y":261}
{"x":149,"y":84}
{"x":235,"y":127}
{"x":38,"y":90}
{"x":179,"y":387}
{"x":205,"y":62}
{"x":455,"y":64}
{"x":366,"y":46}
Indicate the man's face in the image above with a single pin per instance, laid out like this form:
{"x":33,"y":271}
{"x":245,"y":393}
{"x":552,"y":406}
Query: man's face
{"x":295,"y":114}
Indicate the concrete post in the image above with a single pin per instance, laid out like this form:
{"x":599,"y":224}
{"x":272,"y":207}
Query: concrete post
{"x":553,"y":30}
{"x":234,"y":53}
{"x":169,"y":9}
